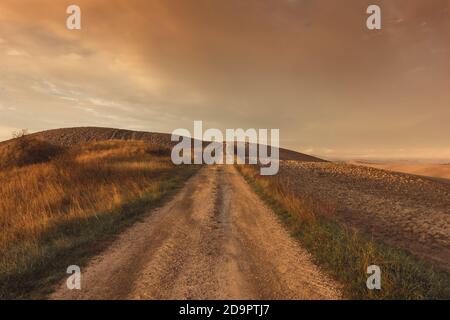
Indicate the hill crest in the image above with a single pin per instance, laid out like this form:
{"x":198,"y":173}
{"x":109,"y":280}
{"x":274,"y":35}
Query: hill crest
{"x":77,"y":135}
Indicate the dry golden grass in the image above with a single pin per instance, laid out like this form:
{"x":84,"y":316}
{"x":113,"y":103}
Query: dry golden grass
{"x":38,"y":201}
{"x":25,"y":150}
{"x":306,"y":209}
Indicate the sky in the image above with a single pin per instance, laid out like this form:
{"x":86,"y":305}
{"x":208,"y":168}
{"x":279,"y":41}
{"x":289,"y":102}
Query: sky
{"x":308,"y":67}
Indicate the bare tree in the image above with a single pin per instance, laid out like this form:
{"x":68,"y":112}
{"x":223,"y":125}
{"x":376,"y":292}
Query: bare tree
{"x":19,"y":133}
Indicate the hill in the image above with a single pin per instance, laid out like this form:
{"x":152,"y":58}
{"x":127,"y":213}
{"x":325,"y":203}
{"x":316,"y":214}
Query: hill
{"x":71,"y":136}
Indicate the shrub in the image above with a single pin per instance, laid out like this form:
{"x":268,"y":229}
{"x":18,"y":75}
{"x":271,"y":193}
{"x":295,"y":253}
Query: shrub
{"x":26,"y":150}
{"x":158,"y":150}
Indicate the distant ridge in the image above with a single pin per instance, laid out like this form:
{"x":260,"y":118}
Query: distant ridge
{"x":72,"y":136}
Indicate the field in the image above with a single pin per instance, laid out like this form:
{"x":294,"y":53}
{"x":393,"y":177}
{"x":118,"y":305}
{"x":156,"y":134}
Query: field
{"x":436,"y":170}
{"x":402,"y":210}
{"x":314,"y":201}
{"x":59,"y":204}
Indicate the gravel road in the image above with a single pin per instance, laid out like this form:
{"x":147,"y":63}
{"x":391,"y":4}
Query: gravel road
{"x":214,"y":240}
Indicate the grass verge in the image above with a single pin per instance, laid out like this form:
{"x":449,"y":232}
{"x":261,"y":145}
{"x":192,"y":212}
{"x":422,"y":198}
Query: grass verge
{"x":64,"y":210}
{"x":344,"y":253}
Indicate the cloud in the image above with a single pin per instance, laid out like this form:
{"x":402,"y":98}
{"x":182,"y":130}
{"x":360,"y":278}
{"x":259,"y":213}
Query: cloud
{"x":103,"y":103}
{"x":16,"y":53}
{"x":309,"y":68}
{"x":48,"y":88}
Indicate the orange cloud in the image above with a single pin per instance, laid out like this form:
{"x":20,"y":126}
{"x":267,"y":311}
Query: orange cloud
{"x":310,"y":68}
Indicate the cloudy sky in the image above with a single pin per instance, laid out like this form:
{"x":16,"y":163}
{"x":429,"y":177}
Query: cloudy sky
{"x":308,"y":67}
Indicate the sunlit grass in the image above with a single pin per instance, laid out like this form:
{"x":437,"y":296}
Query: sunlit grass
{"x":73,"y":199}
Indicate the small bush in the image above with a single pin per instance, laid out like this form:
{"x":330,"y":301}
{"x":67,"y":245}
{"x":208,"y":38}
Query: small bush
{"x":157,"y":150}
{"x":26,"y":150}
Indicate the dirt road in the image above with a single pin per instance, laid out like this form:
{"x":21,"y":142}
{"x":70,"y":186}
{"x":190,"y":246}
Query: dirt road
{"x":214,"y":240}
